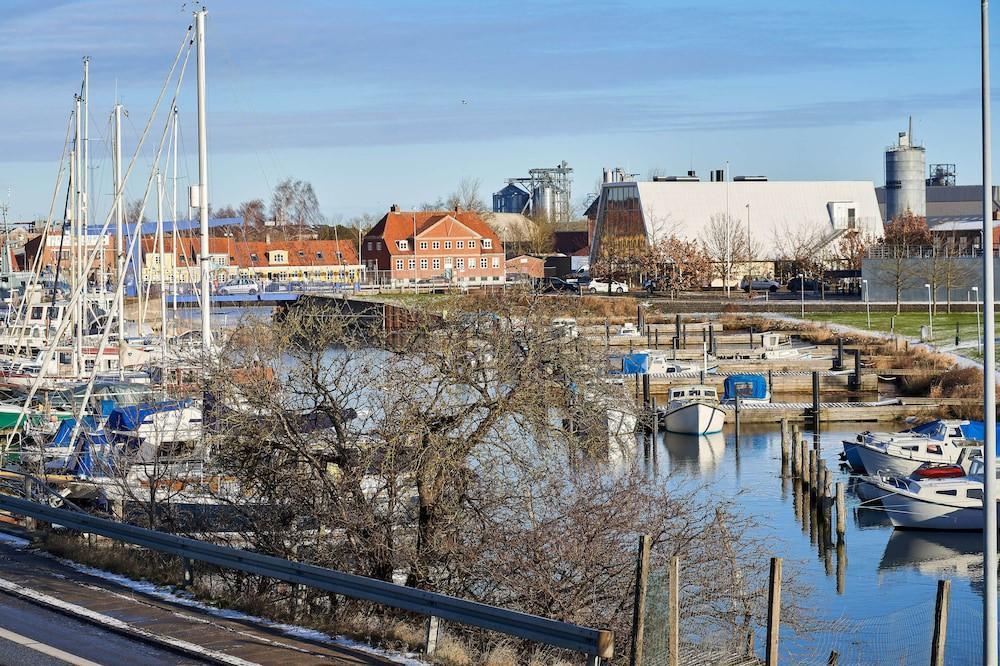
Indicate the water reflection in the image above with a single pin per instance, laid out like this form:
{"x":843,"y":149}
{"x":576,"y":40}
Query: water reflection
{"x":938,"y":554}
{"x":693,"y":453}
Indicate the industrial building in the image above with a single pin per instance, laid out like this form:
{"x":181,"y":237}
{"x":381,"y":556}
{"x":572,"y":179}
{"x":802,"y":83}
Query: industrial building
{"x":543,"y":194}
{"x":807,"y":214}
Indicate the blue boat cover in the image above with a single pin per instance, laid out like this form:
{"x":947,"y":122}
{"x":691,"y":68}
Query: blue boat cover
{"x":127,"y":419}
{"x":974,"y":430}
{"x":635,"y":364}
{"x":753,"y":387}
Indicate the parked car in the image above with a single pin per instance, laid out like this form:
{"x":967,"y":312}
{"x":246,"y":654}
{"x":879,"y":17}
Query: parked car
{"x":604,"y":286}
{"x":796,"y":285}
{"x":759,"y":284}
{"x":241,"y":285}
{"x":554,"y":284}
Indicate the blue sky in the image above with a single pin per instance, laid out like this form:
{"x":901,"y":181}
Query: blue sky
{"x":394,"y":102}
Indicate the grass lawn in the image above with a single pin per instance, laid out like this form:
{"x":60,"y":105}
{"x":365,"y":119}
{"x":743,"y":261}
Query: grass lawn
{"x":907,"y":323}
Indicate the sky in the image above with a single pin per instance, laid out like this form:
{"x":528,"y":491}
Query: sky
{"x":385,"y":102}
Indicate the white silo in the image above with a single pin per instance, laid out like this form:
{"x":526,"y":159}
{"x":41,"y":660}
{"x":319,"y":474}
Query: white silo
{"x":905,"y":188}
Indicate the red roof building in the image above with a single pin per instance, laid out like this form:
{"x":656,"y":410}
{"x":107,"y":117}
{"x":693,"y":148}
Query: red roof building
{"x":421,"y":245}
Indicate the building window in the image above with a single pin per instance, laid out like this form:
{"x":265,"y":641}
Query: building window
{"x":302,"y":254}
{"x":447,"y":245}
{"x":436,"y":245}
{"x":340,"y":256}
{"x":253,"y":256}
{"x":378,"y":245}
{"x":436,"y":263}
{"x":852,"y":222}
{"x":472,"y":244}
{"x":369,"y":246}
{"x":459,"y":245}
{"x":319,"y":256}
{"x":460,"y":264}
{"x":483,"y":262}
{"x":423,"y":245}
{"x":412,"y":264}
{"x":423,"y":264}
{"x":399,"y":264}
{"x":487,"y":243}
{"x":403,"y":244}
{"x":496,"y":262}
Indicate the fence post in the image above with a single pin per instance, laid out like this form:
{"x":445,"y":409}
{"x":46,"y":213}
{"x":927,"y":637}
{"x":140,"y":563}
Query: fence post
{"x":674,"y":613}
{"x":774,"y":612}
{"x":639,"y":603}
{"x":188,"y":571}
{"x":432,"y":629}
{"x":940,"y":622}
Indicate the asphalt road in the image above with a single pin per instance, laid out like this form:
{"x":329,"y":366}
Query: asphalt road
{"x":83,"y":641}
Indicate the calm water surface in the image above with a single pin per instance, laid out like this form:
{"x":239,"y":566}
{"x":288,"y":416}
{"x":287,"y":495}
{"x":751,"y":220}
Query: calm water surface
{"x":883,"y":610}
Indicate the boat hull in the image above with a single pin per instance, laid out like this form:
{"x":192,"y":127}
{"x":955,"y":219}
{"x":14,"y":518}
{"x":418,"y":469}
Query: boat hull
{"x":873,"y":461}
{"x":909,"y":512}
{"x":695,"y":419}
{"x":852,"y":457}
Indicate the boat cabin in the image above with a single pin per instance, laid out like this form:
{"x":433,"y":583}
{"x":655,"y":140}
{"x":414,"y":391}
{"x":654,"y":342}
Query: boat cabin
{"x":697,"y":392}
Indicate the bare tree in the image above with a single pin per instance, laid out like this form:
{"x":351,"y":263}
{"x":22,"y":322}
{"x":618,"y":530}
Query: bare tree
{"x":294,"y":204}
{"x":725,"y":242}
{"x":467,"y":197}
{"x":897,"y":258}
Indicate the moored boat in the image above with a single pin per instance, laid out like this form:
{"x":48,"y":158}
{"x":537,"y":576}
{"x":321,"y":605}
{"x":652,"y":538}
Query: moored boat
{"x":693,"y":410}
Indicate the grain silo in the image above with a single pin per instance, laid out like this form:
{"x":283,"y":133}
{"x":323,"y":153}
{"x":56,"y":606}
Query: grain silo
{"x":905,"y":188}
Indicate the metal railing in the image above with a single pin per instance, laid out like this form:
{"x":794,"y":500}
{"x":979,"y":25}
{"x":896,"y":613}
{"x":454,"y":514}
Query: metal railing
{"x":597,"y":644}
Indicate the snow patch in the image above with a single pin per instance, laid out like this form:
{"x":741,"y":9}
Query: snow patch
{"x":11,"y":540}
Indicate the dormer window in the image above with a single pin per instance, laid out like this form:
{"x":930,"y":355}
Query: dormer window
{"x":487,"y":243}
{"x":403,"y":244}
{"x":253,"y":257}
{"x":319,"y":256}
{"x":302,"y":254}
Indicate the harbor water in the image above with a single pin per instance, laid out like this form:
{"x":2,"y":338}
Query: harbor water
{"x":873,"y":601}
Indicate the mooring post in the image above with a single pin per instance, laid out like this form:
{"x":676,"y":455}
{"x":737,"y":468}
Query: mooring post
{"x":639,"y":600}
{"x":770,"y":383}
{"x":841,"y":513}
{"x":607,"y":333}
{"x":785,"y":455}
{"x":684,"y":331}
{"x":677,"y":327}
{"x":838,"y":359}
{"x":957,"y":340}
{"x":812,"y":473}
{"x":816,"y":416}
{"x":796,"y":467}
{"x":711,"y":338}
{"x":640,"y":322}
{"x":674,"y":613}
{"x":432,"y":630}
{"x":855,"y":378}
{"x":645,"y":390}
{"x":656,"y":339}
{"x":804,"y":461}
{"x":940,"y":622}
{"x":751,"y":338}
{"x":737,"y":403}
{"x":774,"y":612}
{"x":649,"y":336}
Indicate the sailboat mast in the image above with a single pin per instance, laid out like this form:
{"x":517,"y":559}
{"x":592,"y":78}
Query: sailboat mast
{"x":84,"y":194}
{"x":163,"y":276}
{"x":204,"y":261}
{"x":173,"y":216}
{"x":119,"y":240}
{"x":76,"y":231}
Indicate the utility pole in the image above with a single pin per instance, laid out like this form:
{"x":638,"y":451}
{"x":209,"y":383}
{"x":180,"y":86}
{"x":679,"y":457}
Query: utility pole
{"x":204,"y":262}
{"x":989,"y":371}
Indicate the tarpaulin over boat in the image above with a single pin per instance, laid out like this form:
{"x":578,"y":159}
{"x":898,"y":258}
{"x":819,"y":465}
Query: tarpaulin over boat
{"x":129,"y":418}
{"x":751,"y":387}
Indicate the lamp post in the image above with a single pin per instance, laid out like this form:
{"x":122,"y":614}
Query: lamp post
{"x":989,"y":367}
{"x":930,"y":313}
{"x":802,"y":295}
{"x":979,"y":326}
{"x":868,"y":307}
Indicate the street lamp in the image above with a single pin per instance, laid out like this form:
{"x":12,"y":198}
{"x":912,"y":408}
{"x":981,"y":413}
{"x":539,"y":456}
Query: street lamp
{"x":930,"y":313}
{"x":979,"y":327}
{"x":802,"y":295}
{"x":868,"y":307}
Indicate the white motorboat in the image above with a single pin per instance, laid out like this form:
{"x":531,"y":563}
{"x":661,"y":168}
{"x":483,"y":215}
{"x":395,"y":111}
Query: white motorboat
{"x":935,"y":498}
{"x":629,"y":330}
{"x":901,"y":453}
{"x":693,"y":410}
{"x":658,"y":362}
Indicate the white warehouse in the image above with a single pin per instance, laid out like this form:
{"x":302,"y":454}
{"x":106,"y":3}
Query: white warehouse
{"x":783,"y":215}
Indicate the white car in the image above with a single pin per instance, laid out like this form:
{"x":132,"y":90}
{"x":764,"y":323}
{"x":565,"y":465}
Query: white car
{"x":601,"y":287}
{"x":759,"y":284}
{"x":240,"y":286}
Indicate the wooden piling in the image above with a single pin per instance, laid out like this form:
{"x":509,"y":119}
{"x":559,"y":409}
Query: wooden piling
{"x":656,"y":339}
{"x":773,"y":612}
{"x":674,"y":613}
{"x":737,"y":425}
{"x":796,"y":463}
{"x":785,"y":456}
{"x":816,"y":402}
{"x":639,"y":600}
{"x":841,"y":513}
{"x":940,"y":622}
{"x":645,"y":390}
{"x":804,"y":461}
{"x":811,"y":480}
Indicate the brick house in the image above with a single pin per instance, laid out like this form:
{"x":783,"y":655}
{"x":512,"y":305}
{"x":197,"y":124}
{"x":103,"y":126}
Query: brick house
{"x":458,"y":245}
